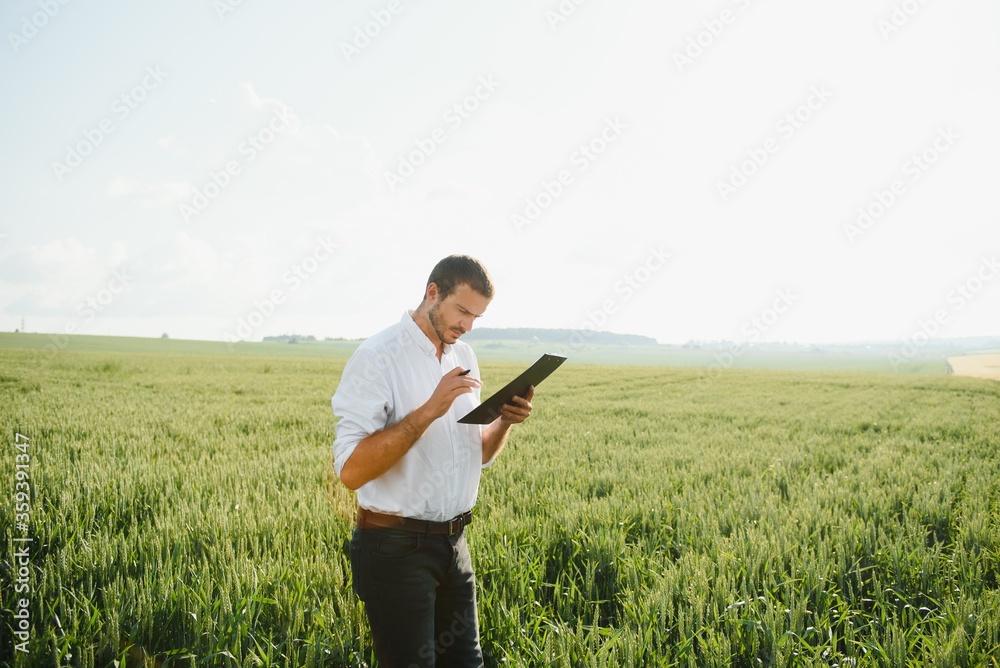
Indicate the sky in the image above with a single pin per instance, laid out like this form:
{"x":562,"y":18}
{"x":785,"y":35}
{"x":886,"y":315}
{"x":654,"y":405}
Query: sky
{"x":740,"y":170}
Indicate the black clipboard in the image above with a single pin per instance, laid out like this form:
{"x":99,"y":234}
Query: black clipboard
{"x":489,"y":410}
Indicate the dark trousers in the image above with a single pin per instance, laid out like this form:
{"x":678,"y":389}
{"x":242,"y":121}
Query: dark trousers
{"x":419,"y":593}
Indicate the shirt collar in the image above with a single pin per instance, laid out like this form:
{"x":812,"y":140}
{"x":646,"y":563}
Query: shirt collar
{"x":411,"y":326}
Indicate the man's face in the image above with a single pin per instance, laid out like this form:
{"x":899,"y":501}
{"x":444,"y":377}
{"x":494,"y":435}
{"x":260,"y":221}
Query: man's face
{"x":453,"y":316}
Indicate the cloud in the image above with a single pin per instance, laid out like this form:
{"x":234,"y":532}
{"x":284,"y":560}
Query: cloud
{"x":53,"y":278}
{"x":296,"y":182}
{"x":149,"y":198}
{"x":169,"y":144}
{"x":185,"y":275}
{"x":246,"y":161}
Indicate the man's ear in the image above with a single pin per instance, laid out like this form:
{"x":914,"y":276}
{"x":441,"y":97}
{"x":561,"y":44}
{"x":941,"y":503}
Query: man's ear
{"x":432,"y":293}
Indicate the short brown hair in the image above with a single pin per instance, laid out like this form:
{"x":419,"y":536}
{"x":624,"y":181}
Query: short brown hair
{"x":456,"y":270}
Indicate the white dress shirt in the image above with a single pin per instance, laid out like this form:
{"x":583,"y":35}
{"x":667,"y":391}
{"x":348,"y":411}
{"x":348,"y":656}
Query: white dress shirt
{"x":387,"y":377}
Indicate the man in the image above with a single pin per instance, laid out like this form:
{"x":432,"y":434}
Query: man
{"x":416,"y":471}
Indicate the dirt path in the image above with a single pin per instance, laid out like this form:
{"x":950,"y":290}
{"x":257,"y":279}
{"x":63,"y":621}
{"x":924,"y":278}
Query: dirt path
{"x":978,"y":366}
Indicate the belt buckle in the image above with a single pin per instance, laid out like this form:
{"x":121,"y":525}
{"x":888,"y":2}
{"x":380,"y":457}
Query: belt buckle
{"x":451,"y":525}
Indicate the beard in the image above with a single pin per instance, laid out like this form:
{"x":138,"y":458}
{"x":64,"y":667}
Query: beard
{"x":441,"y":329}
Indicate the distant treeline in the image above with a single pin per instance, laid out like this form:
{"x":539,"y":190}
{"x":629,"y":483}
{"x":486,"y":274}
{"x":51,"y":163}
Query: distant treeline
{"x":532,"y":334}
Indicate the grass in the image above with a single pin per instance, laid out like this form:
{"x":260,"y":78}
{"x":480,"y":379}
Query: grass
{"x":185,"y":513}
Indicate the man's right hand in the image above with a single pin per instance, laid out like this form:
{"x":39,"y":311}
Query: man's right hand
{"x":378,"y":452}
{"x":452,"y":385}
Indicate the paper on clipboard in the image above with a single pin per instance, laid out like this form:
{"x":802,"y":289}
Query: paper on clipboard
{"x":489,"y":410}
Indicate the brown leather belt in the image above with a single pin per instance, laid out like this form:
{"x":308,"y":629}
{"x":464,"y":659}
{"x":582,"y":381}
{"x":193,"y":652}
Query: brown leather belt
{"x":371,"y":520}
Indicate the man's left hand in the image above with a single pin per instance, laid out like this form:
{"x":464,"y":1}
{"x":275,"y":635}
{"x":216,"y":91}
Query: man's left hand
{"x":519,"y":411}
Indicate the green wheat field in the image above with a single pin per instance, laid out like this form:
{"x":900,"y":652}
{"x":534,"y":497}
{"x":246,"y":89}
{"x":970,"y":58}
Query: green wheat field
{"x":183,"y":511}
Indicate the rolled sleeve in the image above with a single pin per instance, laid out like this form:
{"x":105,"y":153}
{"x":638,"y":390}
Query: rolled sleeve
{"x":362,"y":405}
{"x":486,"y":465}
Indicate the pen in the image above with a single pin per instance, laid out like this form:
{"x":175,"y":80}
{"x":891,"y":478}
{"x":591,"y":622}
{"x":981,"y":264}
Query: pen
{"x":466,"y":372}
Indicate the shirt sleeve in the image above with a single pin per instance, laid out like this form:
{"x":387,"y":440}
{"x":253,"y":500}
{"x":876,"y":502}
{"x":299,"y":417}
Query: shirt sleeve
{"x":488,"y":464}
{"x":362,"y":404}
